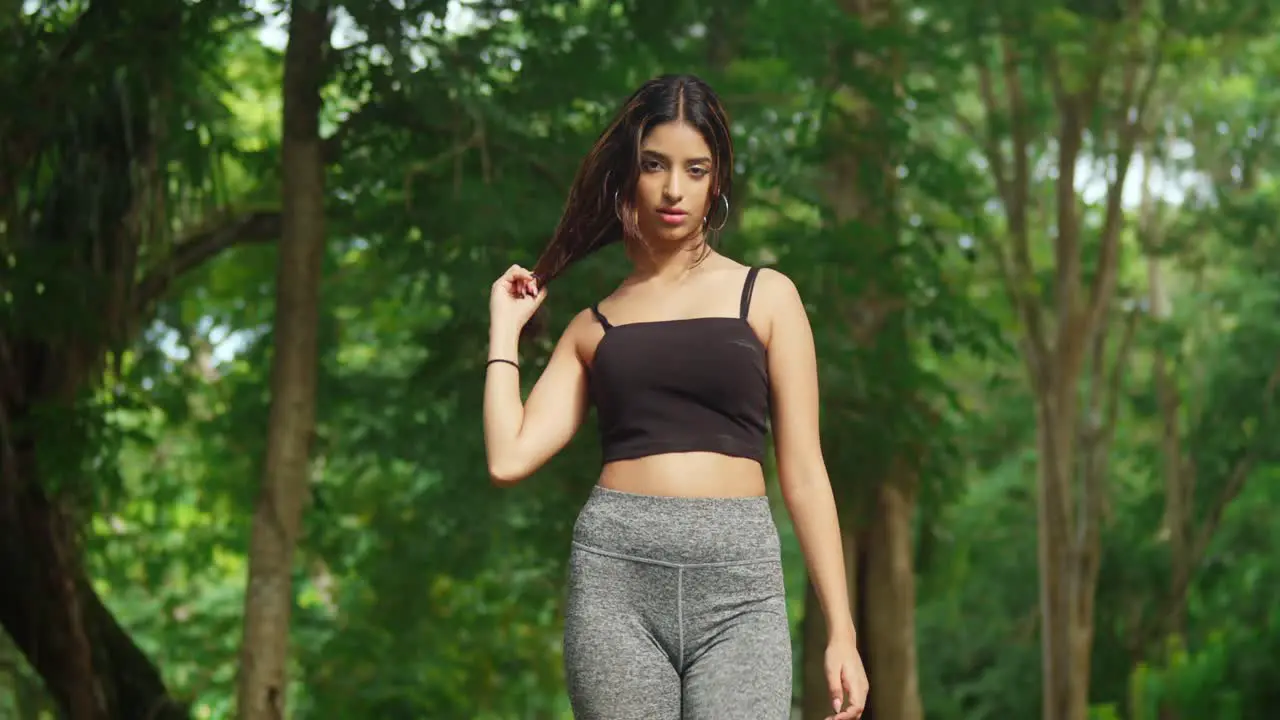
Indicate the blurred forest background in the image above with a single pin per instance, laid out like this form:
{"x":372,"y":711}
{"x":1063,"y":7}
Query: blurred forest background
{"x":245,"y":251}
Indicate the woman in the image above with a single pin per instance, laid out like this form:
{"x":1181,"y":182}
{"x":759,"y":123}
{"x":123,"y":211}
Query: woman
{"x":675,"y":605}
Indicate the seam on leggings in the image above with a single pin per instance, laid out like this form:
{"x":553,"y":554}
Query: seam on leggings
{"x":666,"y":563}
{"x":680,"y":615}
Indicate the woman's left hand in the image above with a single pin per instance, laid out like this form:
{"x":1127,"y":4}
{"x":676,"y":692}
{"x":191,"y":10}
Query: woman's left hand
{"x":846,"y":678}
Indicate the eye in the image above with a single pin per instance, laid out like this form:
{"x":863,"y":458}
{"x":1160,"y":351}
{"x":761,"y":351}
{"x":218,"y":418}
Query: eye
{"x":699,"y":171}
{"x":649,"y":165}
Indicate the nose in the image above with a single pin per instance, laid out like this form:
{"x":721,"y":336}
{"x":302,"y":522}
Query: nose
{"x":671,"y":189}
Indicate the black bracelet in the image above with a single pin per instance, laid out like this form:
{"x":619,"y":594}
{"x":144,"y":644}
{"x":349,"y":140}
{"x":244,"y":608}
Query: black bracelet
{"x":512,"y":363}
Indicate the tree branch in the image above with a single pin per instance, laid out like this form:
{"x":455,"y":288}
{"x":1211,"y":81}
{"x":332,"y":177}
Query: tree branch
{"x":1236,"y":480}
{"x":333,"y":146}
{"x":1019,"y":192}
{"x":1105,"y":280}
{"x":1098,"y":432}
{"x":1019,"y":198}
{"x":1116,"y":379}
{"x":200,"y":247}
{"x":423,"y":167}
{"x":1097,"y":429}
{"x":1103,"y":47}
{"x":336,"y":144}
{"x":986,"y":138}
{"x":1074,"y":107}
{"x":1019,"y":189}
{"x":1015,"y":265}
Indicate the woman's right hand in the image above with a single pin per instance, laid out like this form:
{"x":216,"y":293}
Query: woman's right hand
{"x":513,"y":299}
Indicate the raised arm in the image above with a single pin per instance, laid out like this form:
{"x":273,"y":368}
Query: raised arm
{"x":806,"y":487}
{"x":519,"y":437}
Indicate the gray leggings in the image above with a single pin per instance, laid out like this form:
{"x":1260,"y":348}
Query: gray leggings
{"x":676,"y":610}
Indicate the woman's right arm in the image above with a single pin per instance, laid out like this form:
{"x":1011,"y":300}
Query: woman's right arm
{"x":519,"y":437}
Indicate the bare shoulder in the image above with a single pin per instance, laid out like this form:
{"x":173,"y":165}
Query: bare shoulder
{"x":581,"y":322}
{"x":777,"y":300}
{"x":580,"y":326}
{"x":581,"y":332}
{"x":777,"y":293}
{"x":776,"y":286}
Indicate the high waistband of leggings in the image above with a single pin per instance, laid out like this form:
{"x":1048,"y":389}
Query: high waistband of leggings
{"x":679,"y":531}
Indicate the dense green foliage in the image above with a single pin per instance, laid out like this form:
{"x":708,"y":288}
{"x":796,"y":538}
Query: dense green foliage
{"x":422,"y":591}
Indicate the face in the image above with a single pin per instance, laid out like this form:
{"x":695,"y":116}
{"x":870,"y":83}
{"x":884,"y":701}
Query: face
{"x":674,"y":186}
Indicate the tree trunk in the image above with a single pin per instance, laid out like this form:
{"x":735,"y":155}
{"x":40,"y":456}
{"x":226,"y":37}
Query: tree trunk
{"x":1075,"y":449}
{"x":815,"y":698}
{"x":1064,"y":342}
{"x":726,"y":24}
{"x":1178,"y":474}
{"x":54,"y":345}
{"x":1060,"y":626}
{"x":22,"y":694}
{"x":879,"y":563}
{"x":1177,"y":494}
{"x":278,"y":514}
{"x":888,"y":596}
{"x":877,"y":544}
{"x":90,"y":666}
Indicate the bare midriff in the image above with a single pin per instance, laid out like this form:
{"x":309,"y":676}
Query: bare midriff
{"x":690,"y":474}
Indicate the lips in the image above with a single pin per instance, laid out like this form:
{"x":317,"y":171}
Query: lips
{"x":672,"y":216}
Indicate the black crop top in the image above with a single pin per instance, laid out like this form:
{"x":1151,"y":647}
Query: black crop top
{"x":668,"y":386}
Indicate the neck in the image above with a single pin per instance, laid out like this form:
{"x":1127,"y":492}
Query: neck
{"x":669,"y":263}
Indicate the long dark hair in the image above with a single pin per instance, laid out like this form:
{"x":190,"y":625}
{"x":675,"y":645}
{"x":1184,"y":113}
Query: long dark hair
{"x":600,"y":208}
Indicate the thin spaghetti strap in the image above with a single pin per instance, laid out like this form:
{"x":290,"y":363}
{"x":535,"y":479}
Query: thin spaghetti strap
{"x":747,"y":287}
{"x":604,"y":321}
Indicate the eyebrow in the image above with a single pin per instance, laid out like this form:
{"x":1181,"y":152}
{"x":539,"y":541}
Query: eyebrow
{"x":661,"y":156}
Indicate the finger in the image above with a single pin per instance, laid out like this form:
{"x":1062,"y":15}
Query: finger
{"x":520,"y":288}
{"x":857,"y":700}
{"x":512,"y":273}
{"x":513,"y":286}
{"x":836,"y":687}
{"x":525,"y":282}
{"x":520,"y":277}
